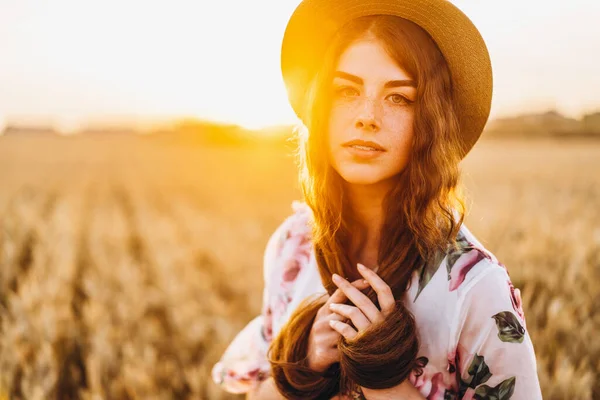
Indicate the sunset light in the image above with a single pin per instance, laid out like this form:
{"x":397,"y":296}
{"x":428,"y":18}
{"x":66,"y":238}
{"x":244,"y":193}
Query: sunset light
{"x":170,"y":230}
{"x":69,"y":61}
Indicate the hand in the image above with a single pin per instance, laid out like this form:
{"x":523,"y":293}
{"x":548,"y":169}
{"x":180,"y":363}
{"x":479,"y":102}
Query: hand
{"x":364,"y":313}
{"x":322,"y":342}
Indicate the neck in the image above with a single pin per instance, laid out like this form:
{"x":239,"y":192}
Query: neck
{"x":366,"y":206}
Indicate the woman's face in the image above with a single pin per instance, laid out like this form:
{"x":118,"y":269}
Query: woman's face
{"x":372,"y":102}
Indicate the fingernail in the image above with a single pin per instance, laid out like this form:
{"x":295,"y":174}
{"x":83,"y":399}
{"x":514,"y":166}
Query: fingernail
{"x":332,"y":305}
{"x":336,"y":277}
{"x":361,"y":267}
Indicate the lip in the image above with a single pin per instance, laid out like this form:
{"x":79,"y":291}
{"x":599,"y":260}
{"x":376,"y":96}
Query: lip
{"x":360,"y":154}
{"x":368,"y":143}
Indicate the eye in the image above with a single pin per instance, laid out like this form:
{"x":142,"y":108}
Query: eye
{"x":346,"y":91}
{"x":399,"y":99}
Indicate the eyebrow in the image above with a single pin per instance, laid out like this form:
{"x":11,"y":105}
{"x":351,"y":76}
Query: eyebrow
{"x":389,"y":84}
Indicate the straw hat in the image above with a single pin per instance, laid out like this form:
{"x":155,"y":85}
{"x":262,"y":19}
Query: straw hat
{"x":314,"y":22}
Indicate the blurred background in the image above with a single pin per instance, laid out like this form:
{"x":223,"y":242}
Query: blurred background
{"x":146,"y":156}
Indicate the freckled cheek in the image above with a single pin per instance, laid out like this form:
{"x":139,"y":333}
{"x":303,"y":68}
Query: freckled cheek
{"x":340,"y":122}
{"x":400,"y":126}
{"x":344,"y":112}
{"x":398,"y":120}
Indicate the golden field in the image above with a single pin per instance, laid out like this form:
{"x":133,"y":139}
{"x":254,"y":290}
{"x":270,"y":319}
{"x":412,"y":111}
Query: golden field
{"x":127,"y":264}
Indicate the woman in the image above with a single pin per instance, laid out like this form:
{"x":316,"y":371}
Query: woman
{"x":393,"y":96}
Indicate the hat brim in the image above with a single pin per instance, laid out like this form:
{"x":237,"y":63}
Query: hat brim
{"x":314,"y":23}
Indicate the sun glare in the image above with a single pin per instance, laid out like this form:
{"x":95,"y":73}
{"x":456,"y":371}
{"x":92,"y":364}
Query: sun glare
{"x":172,"y":59}
{"x":220,"y":61}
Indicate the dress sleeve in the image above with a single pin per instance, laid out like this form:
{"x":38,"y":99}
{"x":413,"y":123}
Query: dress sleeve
{"x":244,"y":364}
{"x":494,"y":355}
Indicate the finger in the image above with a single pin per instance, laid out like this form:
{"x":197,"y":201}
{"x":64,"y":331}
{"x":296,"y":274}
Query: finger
{"x":356,"y":316}
{"x":322,"y":325}
{"x":384,"y":293}
{"x":359,"y":299}
{"x":331,"y":338}
{"x":335,"y":316}
{"x":344,"y":329}
{"x":339,"y":296}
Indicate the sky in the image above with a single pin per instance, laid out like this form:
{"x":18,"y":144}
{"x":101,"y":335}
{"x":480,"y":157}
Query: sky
{"x":68,"y":61}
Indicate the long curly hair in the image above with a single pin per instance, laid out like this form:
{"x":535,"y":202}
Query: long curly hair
{"x":422,"y":217}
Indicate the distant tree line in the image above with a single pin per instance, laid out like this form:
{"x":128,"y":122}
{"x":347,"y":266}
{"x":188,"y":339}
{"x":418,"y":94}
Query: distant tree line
{"x":548,"y":124}
{"x":195,"y":131}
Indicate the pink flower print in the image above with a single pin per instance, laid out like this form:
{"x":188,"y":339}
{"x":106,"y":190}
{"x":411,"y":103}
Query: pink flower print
{"x":297,"y":244}
{"x":300,"y":224}
{"x":468,"y":394}
{"x":437,"y":387}
{"x":253,"y":373}
{"x":462,"y":266}
{"x":452,"y":369}
{"x":297,"y":232}
{"x":295,"y":255}
{"x":427,"y":381}
{"x":301,"y":244}
{"x":290,"y":270}
{"x":451,"y":361}
{"x":268,"y":325}
{"x":252,"y":376}
{"x":420,"y":382}
{"x":433,"y":387}
{"x":280,"y":305}
{"x":417,"y":375}
{"x":517,"y":302}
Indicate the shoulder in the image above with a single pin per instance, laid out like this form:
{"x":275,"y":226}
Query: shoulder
{"x":480,"y":279}
{"x":295,"y":225}
{"x":458,"y":267}
{"x":294,"y":231}
{"x":469,"y":261}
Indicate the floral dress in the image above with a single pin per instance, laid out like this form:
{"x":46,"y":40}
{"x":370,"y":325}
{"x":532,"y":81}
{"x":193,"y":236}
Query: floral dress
{"x":474,"y":342}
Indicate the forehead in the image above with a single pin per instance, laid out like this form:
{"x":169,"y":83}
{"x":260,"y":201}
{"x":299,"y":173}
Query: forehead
{"x":368,"y":59}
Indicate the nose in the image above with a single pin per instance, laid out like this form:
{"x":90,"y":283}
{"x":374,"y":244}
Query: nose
{"x":367,"y":116}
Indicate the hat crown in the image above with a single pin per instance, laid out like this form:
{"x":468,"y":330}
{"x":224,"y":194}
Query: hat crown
{"x":314,"y":23}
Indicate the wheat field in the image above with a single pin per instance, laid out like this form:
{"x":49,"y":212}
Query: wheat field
{"x":127,"y":264}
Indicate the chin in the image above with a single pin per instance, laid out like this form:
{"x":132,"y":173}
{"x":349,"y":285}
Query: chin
{"x":361,"y":177}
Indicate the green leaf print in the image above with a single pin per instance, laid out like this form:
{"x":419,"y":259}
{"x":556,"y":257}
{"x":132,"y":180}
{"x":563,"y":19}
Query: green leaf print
{"x":462,"y":246}
{"x":503,"y":391}
{"x":450,"y":395}
{"x":427,"y":271}
{"x":478,"y":372}
{"x":509,"y":328}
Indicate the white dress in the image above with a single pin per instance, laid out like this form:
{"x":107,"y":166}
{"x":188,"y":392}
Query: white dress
{"x":472,"y":330}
